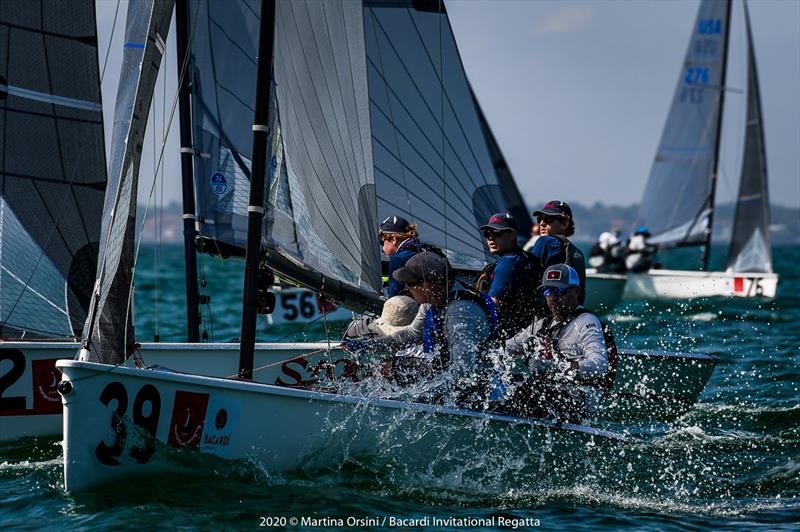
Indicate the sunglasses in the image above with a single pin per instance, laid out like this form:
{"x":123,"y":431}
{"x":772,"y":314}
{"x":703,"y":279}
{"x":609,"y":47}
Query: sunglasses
{"x":549,"y":220}
{"x":555,"y":291}
{"x":489,"y":234}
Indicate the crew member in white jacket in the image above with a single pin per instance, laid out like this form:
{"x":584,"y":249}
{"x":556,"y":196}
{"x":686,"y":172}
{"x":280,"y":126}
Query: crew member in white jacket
{"x":566,"y":352}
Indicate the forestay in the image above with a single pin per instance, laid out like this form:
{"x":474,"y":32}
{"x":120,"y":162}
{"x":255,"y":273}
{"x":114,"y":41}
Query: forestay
{"x":52,"y":166}
{"x":108,"y":333}
{"x":750,"y":249}
{"x":685,"y":160}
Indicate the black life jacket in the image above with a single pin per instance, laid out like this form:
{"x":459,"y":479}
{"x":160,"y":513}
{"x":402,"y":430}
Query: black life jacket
{"x":550,"y":334}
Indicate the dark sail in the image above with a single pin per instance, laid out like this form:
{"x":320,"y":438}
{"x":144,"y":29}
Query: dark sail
{"x":678,"y":198}
{"x":109,"y":331}
{"x":52,"y":166}
{"x":750,"y":249}
{"x":432,"y":161}
{"x":224,"y":49}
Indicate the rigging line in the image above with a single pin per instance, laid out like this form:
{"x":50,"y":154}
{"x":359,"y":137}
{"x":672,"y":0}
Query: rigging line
{"x":422,"y":157}
{"x":110,"y":41}
{"x":441,"y":83}
{"x":184,"y":69}
{"x":422,"y":129}
{"x":423,"y":201}
{"x":308,"y":105}
{"x":231,"y":40}
{"x":445,"y":95}
{"x":281,"y":362}
{"x":391,"y":113}
{"x":26,"y":286}
{"x":460,"y":199}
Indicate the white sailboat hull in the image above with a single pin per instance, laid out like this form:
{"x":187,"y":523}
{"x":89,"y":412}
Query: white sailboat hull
{"x":680,"y":284}
{"x":112,"y":415}
{"x":648,"y":385}
{"x":603,"y":290}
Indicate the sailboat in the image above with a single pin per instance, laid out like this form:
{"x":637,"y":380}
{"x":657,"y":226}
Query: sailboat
{"x":53,"y":177}
{"x":686,"y":168}
{"x":318,"y":230}
{"x":673,"y":379}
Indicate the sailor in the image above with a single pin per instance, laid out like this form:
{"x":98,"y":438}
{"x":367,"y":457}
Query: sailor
{"x":510,"y":280}
{"x":534,"y":237}
{"x":455,"y":326}
{"x":638,"y":251}
{"x":399,"y":240}
{"x":398,"y":313}
{"x":606,"y":254}
{"x":571,"y":354}
{"x":554,"y":247}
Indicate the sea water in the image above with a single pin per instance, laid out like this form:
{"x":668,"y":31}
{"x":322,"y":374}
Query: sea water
{"x":732,"y":459}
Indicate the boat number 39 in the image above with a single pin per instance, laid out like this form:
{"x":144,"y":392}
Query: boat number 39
{"x":146,"y":411}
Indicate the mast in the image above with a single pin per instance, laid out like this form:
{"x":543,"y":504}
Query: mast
{"x":706,"y":254}
{"x":187,"y":173}
{"x":255,"y":211}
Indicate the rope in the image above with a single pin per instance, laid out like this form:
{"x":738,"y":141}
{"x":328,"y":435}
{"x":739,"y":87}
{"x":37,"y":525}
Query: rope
{"x":273,"y":364}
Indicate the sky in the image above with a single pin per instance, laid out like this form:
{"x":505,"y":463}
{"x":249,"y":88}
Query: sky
{"x":576,"y":92}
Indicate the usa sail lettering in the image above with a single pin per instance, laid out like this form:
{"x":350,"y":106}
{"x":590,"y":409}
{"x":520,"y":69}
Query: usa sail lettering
{"x":146,"y":413}
{"x":712,"y":26}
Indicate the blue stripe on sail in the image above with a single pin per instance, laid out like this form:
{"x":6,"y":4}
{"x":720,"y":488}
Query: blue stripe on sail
{"x":133,"y":45}
{"x":51,"y":98}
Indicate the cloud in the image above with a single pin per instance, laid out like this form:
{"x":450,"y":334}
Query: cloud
{"x":565,"y":20}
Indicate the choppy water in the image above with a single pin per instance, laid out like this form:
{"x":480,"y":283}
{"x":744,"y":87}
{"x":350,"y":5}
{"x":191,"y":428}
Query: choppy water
{"x":733,"y":459}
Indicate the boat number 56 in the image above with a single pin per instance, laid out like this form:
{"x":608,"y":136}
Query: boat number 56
{"x":294,"y":307}
{"x":146,"y":411}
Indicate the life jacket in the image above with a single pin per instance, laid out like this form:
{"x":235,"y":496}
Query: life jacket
{"x":549,"y":336}
{"x":433,"y":333}
{"x":520,"y":311}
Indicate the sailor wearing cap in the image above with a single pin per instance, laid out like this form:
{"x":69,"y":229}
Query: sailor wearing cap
{"x":510,"y":281}
{"x":569,"y":347}
{"x":554,"y":247}
{"x":399,"y":242}
{"x":455,"y":325}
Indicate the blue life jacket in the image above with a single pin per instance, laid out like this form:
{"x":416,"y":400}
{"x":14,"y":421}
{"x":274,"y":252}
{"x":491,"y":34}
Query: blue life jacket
{"x":433,"y":330}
